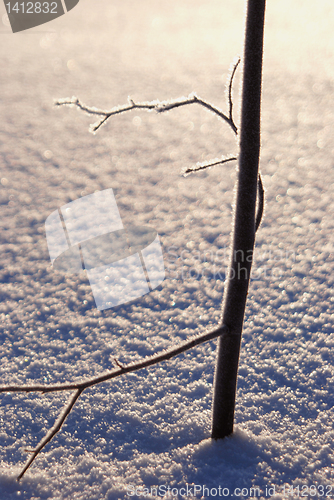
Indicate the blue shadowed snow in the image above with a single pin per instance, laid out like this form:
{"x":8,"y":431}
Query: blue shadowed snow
{"x":152,"y":428}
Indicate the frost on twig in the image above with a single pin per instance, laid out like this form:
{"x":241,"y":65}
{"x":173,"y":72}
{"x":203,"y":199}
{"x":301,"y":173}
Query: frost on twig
{"x":204,"y":166}
{"x":162,"y":106}
{"x":158,"y":106}
{"x":121,"y":369}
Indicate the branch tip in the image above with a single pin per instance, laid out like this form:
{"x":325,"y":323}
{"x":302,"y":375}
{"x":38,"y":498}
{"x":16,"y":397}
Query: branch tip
{"x":204,"y":166}
{"x":119,"y":364}
{"x":230,"y":100}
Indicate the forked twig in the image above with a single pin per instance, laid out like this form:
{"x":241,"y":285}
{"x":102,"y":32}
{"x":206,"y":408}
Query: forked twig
{"x":116,"y":372}
{"x":162,"y":106}
{"x":158,"y":106}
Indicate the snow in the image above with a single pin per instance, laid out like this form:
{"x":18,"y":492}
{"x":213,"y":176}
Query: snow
{"x":152,"y":428}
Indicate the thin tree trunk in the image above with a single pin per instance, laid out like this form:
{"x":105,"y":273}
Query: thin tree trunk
{"x":244,"y":225}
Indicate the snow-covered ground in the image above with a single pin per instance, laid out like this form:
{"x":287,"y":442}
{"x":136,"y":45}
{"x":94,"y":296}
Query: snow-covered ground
{"x":152,"y":428}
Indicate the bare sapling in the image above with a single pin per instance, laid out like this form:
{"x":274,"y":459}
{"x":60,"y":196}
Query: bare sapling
{"x":248,"y":212}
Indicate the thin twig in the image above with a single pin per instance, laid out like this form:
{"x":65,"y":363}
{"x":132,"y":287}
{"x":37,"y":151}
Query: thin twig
{"x":118,"y":363}
{"x":203,"y":166}
{"x":192,"y":99}
{"x":151,"y":360}
{"x":52,"y":432}
{"x":230,"y":101}
{"x":158,"y":106}
{"x":260,"y":203}
{"x":81,"y":386}
{"x":260,"y":190}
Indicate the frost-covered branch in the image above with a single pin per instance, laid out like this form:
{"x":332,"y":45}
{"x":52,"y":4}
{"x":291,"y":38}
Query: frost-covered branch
{"x":162,"y":106}
{"x":121,"y":369}
{"x":158,"y":106}
{"x":204,"y":166}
